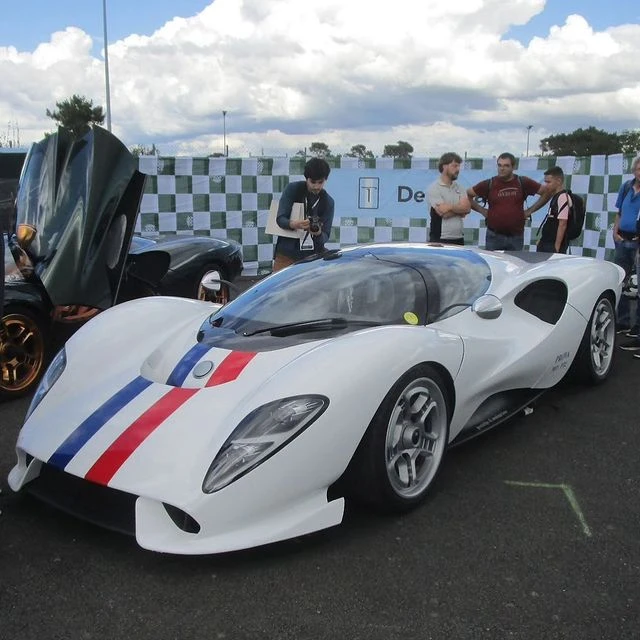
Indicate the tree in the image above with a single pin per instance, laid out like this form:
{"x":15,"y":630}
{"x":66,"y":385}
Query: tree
{"x":401,"y":150}
{"x":359,"y":151}
{"x":582,"y":142}
{"x":140,"y":150}
{"x":319,"y":150}
{"x":76,"y":114}
{"x":630,"y":141}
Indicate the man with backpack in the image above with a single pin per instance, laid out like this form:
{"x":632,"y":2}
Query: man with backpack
{"x":505,"y":195}
{"x":554,"y":236}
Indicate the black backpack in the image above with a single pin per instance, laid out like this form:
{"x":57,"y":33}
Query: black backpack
{"x":577,"y":214}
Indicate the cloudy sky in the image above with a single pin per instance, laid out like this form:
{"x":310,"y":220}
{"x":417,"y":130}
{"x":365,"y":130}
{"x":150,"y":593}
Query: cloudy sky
{"x":468,"y":76}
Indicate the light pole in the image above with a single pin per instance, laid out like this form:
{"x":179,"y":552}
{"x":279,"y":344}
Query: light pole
{"x":224,"y":134}
{"x":106,"y":64}
{"x":529,"y":127}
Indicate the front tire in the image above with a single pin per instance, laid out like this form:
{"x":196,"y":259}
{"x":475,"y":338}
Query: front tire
{"x":23,"y":351}
{"x":405,"y":443}
{"x":595,"y":355}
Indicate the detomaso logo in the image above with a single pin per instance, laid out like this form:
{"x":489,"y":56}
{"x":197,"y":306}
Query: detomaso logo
{"x":369,"y":190}
{"x":407,"y":194}
{"x":369,"y":193}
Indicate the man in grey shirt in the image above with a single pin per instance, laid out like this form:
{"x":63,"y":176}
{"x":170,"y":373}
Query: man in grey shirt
{"x":448,"y":201}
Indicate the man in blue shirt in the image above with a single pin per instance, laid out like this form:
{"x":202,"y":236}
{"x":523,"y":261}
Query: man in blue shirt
{"x":625,"y":236}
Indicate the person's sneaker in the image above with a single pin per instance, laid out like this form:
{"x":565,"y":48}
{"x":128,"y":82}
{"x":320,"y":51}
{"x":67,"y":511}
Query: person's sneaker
{"x":631,"y":346}
{"x":634,"y":332}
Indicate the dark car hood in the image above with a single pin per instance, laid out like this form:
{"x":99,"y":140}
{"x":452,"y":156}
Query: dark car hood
{"x":82,"y":195}
{"x":181,"y":244}
{"x":184,"y":249}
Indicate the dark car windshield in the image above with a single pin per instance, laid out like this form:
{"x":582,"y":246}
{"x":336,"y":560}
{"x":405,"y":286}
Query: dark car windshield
{"x":407,"y":287}
{"x":353,"y":290}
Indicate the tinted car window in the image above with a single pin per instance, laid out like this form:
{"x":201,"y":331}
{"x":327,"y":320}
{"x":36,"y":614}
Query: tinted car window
{"x":364,"y":289}
{"x":545,"y":299}
{"x":455,"y":279}
{"x":386,"y":285}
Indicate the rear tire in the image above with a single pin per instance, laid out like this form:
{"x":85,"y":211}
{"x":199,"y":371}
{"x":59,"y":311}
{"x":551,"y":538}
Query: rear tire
{"x":401,"y":453}
{"x":23,"y":351}
{"x":595,"y":354}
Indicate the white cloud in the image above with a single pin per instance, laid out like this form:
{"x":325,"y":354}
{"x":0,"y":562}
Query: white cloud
{"x":439,"y":75}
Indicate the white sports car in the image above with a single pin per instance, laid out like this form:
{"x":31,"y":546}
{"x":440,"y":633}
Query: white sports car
{"x":205,"y":429}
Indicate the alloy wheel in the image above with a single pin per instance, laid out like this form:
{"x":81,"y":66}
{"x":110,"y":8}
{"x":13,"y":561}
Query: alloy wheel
{"x":22,"y":353}
{"x":416,"y":437}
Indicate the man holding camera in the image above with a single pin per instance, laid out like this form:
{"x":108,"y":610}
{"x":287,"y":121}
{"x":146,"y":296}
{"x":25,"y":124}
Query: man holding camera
{"x":318,"y":207}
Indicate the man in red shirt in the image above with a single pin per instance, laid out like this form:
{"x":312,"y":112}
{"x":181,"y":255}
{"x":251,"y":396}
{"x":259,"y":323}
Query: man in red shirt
{"x":505,"y":195}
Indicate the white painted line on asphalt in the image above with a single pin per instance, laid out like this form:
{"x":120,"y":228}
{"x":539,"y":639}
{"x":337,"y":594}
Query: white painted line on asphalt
{"x":569,"y":494}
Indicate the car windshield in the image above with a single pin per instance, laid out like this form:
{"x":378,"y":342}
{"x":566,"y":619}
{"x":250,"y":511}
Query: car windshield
{"x":355,"y":291}
{"x":361,"y":287}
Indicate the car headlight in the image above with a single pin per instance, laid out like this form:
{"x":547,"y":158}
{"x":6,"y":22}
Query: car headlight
{"x":48,"y":380}
{"x":261,"y":434}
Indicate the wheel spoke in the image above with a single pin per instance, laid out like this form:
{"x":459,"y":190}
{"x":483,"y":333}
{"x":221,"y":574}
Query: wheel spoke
{"x":411,"y":470}
{"x":419,"y":404}
{"x":23,"y":337}
{"x":11,"y":374}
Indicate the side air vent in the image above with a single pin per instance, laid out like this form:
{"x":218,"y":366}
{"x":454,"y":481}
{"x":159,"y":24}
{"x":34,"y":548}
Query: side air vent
{"x":544,"y":299}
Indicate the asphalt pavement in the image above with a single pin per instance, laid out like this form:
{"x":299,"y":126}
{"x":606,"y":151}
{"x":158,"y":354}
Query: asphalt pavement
{"x":532,"y":531}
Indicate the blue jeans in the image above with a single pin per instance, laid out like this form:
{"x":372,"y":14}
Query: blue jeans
{"x":497,"y":241}
{"x":625,"y":256}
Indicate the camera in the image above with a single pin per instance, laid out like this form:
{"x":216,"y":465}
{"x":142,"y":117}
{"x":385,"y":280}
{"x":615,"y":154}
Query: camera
{"x":314,"y":224}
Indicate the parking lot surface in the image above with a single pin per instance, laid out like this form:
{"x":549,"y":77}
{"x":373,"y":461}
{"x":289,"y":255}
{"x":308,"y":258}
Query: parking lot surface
{"x":532,"y":532}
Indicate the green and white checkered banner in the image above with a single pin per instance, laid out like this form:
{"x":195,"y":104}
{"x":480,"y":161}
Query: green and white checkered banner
{"x":377,"y":200}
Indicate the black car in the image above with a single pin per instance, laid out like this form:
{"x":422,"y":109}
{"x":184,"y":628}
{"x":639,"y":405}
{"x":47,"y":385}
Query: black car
{"x":191,"y":260}
{"x":72,"y":254}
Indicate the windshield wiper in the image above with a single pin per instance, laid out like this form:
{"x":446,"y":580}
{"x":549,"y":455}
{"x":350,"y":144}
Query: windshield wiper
{"x":312,"y":325}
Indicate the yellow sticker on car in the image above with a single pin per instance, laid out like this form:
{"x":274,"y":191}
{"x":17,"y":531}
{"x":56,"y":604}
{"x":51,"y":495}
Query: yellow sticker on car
{"x":410,"y":317}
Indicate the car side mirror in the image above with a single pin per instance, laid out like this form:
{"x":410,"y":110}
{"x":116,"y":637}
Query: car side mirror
{"x":212,"y":281}
{"x":488,"y":307}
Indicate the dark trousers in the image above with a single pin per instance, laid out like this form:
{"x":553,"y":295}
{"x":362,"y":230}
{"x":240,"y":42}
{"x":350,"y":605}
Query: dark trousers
{"x":625,"y":256}
{"x":458,"y":241}
{"x":550,"y":247}
{"x":500,"y":242}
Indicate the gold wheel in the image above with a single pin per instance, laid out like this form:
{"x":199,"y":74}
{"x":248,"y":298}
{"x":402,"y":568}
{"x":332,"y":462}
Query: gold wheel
{"x":22,"y":353}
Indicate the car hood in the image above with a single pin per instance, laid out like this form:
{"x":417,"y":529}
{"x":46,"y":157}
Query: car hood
{"x":159,"y":413}
{"x":81,"y":196}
